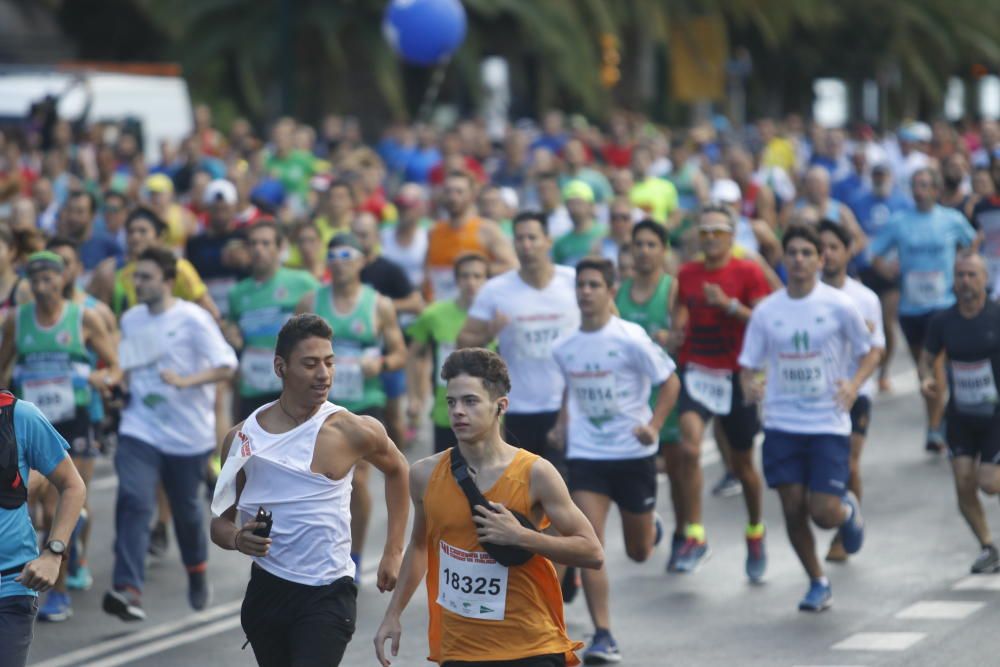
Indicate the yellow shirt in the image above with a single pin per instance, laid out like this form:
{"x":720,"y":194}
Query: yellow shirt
{"x":188,"y":285}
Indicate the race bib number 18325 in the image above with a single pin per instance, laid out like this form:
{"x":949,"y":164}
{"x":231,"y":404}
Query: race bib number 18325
{"x":471,"y":583}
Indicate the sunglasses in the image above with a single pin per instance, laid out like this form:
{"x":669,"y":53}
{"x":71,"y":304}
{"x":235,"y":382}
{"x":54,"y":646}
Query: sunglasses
{"x":714,"y":232}
{"x":342,"y":254}
{"x":621,"y":216}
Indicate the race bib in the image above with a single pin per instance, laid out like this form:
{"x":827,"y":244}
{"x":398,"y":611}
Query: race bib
{"x":973,"y":385}
{"x":595,"y":393}
{"x":257,"y":370}
{"x":471,"y":583}
{"x":802,"y":375}
{"x":711,"y":387}
{"x":925,"y":288}
{"x":53,"y":396}
{"x":444,"y":350}
{"x":348,"y":380}
{"x":535,"y":336}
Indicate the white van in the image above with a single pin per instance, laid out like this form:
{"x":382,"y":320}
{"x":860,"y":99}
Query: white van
{"x":160,"y":103}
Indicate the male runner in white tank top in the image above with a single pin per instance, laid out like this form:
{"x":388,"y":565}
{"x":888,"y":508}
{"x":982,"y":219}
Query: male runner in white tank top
{"x":295,"y":458}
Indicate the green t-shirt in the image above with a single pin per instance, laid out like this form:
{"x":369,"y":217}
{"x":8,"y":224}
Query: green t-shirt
{"x":260,"y":310}
{"x":657,"y":197}
{"x":354,"y":337}
{"x":438,"y":326}
{"x":294,"y":170}
{"x":574,"y":246}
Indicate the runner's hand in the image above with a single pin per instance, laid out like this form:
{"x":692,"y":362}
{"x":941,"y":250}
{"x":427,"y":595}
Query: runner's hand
{"x":498,"y":324}
{"x":847,"y":393}
{"x":388,"y":571}
{"x":40,"y":574}
{"x":173,"y":378}
{"x":645,"y":433}
{"x":371,"y":366}
{"x":390,"y":629}
{"x":500,"y":527}
{"x":252,"y":545}
{"x":753,"y":389}
{"x":715,"y":296}
{"x":675,"y":340}
{"x":929,"y":388}
{"x":557,"y":437}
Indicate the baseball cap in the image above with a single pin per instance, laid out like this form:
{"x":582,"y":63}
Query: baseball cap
{"x":220,"y":190}
{"x":159,"y":183}
{"x":726,"y":190}
{"x":578,"y":190}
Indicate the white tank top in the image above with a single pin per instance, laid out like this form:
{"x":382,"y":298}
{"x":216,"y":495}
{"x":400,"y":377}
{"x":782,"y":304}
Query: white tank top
{"x":311,"y":533}
{"x":410,"y":257}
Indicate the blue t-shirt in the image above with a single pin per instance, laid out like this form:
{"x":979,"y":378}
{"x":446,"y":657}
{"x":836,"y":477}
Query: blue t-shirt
{"x":98,"y":248}
{"x":873,"y":211}
{"x":926,"y":242}
{"x":41,"y":448}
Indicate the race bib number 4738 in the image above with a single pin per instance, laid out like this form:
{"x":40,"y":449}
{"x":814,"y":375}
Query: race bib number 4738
{"x":471,"y":583}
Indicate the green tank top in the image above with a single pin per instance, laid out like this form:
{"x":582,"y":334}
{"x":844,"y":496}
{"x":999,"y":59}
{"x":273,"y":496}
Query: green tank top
{"x":53,"y":365}
{"x":354,"y":336}
{"x":652,"y":315}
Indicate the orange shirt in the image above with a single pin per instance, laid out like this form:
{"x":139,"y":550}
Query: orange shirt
{"x":485,"y":625}
{"x":445,"y":244}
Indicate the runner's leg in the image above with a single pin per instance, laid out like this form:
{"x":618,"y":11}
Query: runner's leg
{"x":795,"y":507}
{"x":967,"y":489}
{"x":595,"y":507}
{"x":689,"y":456}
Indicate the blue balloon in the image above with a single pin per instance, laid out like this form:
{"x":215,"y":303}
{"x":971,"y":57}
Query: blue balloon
{"x":424,"y":32}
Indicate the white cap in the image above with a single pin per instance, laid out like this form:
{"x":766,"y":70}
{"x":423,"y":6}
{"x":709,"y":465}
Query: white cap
{"x":726,"y":190}
{"x":510,"y":198}
{"x":220,"y":190}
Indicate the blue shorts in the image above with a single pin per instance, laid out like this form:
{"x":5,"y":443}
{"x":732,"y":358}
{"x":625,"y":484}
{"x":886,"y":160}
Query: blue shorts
{"x":394,"y":383}
{"x":818,"y":461}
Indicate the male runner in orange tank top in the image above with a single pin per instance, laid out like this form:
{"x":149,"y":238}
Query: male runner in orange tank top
{"x":482,"y":612}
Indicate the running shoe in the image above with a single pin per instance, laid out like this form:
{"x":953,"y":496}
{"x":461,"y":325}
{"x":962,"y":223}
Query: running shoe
{"x":199,"y":590}
{"x":756,"y":559}
{"x":658,"y":527}
{"x":935,"y":441}
{"x":571,"y":584}
{"x":676,"y":544}
{"x":852,"y":532}
{"x":729,"y":485}
{"x":603,"y":650}
{"x":988,"y":561}
{"x":57,"y":608}
{"x":125,"y":604}
{"x":692,"y":555}
{"x":836,"y":553}
{"x":80,"y":580}
{"x":818,"y":598}
{"x":158,"y":540}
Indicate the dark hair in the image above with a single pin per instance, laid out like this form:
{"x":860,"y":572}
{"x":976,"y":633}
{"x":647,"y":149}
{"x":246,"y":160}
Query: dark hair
{"x":601,"y":264}
{"x":653,"y":226}
{"x":837,"y":230}
{"x":526,"y":216}
{"x":547,"y":176}
{"x":720,"y":208}
{"x":91,"y":199}
{"x":466,"y":259}
{"x":267,"y":223}
{"x":63,"y":242}
{"x":479,"y":363}
{"x":112,"y":194}
{"x":163,"y":258}
{"x":341,"y":183}
{"x":807,"y":233}
{"x":143,"y":213}
{"x":297,"y":329}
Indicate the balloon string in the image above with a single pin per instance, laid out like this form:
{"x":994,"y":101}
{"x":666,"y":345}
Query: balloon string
{"x":433,"y":88}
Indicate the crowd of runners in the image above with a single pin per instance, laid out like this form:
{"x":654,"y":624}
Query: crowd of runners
{"x":575,"y":308}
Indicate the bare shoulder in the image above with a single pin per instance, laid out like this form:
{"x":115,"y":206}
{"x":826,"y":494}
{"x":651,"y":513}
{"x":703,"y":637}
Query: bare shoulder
{"x":365,"y":434}
{"x":420,"y":473}
{"x":544,"y":477}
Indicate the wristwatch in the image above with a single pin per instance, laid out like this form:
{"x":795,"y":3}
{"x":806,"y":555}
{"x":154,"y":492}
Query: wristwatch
{"x":57,"y":547}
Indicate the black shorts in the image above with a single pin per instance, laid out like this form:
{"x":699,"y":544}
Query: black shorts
{"x":631,"y":483}
{"x":973,"y":436}
{"x":250,"y":403}
{"x":742,"y":423}
{"x":915,"y":328}
{"x":861,"y":415}
{"x":294,"y":625}
{"x":444,"y":438}
{"x":876,"y":282}
{"x":79,"y":433}
{"x":530,"y":430}
{"x":552,"y":660}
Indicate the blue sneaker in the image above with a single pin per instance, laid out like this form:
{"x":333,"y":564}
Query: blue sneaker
{"x":692,"y":555}
{"x":81,"y":580}
{"x":676,"y":544}
{"x":658,"y":526}
{"x":603,"y":650}
{"x":357,"y":568}
{"x":756,"y":559}
{"x":818,"y":598}
{"x":852,"y":532}
{"x":56,"y":609}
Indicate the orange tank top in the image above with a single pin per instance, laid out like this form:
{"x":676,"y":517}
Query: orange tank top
{"x":479,"y":609}
{"x":445,"y":244}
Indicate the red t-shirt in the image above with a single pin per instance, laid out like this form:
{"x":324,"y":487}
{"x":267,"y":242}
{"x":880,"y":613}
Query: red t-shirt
{"x":712,"y":338}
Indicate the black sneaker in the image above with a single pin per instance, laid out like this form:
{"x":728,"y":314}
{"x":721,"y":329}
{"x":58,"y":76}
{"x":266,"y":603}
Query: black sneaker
{"x":199,"y":590}
{"x":988,"y":561}
{"x":125,"y":604}
{"x":570,"y":585}
{"x":158,"y":540}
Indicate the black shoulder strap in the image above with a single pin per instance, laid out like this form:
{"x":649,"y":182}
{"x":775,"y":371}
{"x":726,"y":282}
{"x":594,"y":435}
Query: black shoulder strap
{"x":13,"y":488}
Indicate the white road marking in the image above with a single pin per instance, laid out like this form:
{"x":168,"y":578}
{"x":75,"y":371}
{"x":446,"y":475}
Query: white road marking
{"x":941,"y":609}
{"x":978,"y":582}
{"x":168,"y":643}
{"x":879,"y":641}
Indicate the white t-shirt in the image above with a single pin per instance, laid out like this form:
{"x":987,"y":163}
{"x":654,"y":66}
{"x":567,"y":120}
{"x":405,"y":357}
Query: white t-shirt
{"x":185,"y":339}
{"x":807,"y":345}
{"x":871,"y":309}
{"x":610,"y":374}
{"x":538,"y":318}
{"x":410,"y":257}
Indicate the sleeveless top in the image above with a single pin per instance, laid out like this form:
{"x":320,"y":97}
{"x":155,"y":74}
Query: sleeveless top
{"x":479,"y":609}
{"x":445,"y":244}
{"x":652,"y":314}
{"x":409,"y":257}
{"x":311,"y":533}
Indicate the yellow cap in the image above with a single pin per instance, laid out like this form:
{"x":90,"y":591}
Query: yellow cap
{"x":578,"y":190}
{"x":160,"y":183}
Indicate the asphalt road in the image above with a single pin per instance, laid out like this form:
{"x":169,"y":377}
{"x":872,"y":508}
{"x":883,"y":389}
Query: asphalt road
{"x":905,"y":599}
